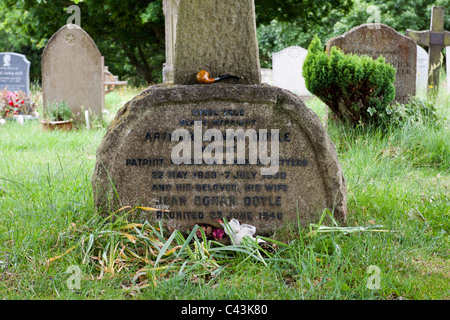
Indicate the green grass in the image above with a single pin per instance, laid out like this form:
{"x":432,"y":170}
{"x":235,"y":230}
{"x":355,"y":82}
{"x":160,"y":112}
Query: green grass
{"x":398,"y":184}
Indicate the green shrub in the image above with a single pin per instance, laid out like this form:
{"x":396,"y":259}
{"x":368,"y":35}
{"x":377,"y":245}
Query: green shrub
{"x":58,"y":112}
{"x":356,"y":88}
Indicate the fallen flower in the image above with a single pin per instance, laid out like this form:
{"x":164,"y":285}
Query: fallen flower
{"x":238,"y":232}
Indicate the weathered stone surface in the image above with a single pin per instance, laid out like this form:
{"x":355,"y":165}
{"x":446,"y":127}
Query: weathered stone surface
{"x":374,"y":40}
{"x":14,"y":72}
{"x":134,"y":160}
{"x":287,"y":70}
{"x":218,"y":36}
{"x":72,"y":71}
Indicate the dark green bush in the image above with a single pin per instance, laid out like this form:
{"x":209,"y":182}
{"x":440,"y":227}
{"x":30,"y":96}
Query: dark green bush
{"x":355,"y":88}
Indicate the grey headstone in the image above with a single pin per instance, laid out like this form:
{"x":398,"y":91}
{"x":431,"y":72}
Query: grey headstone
{"x":14,"y":72}
{"x":218,"y":36}
{"x":287,"y":70}
{"x":72,"y":71}
{"x":374,"y":40}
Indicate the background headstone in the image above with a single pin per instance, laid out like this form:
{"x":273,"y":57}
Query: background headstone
{"x":72,"y":71}
{"x":171,"y":17}
{"x":219,"y":37}
{"x":422,"y":70}
{"x":397,"y":49}
{"x":14,"y":72}
{"x":287,"y":70}
{"x":134,"y":164}
{"x":266,"y":76}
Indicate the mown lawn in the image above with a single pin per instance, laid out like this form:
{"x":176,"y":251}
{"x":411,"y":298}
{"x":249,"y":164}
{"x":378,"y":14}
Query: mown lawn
{"x":398,"y":188}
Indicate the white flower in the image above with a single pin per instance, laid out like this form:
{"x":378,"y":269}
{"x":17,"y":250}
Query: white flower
{"x":237,"y":232}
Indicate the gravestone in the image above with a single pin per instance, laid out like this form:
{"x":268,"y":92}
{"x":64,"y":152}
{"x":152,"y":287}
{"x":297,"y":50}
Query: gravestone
{"x":266,"y":76}
{"x":422,"y":70}
{"x":398,"y":50}
{"x":14,"y":72}
{"x":202,"y":151}
{"x":287,"y":70}
{"x":435,"y":39}
{"x":72,"y":71}
{"x":225,"y":44}
{"x":170,"y":8}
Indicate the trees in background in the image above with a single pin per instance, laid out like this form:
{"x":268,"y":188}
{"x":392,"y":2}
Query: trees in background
{"x":130,"y":34}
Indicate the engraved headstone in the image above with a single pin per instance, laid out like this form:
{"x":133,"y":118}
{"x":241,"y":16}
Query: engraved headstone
{"x":422,"y":70}
{"x":14,"y":72}
{"x":72,"y":71}
{"x":287,"y":70}
{"x":220,"y":151}
{"x":219,"y":37}
{"x":398,"y":50}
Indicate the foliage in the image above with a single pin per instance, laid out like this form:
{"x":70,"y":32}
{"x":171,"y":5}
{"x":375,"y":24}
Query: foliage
{"x":416,"y":111}
{"x":356,"y":88}
{"x":15,"y":103}
{"x":58,"y":112}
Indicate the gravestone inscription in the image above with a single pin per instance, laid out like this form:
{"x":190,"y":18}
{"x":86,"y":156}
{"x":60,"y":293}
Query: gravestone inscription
{"x":398,"y":50}
{"x":72,"y":71}
{"x":137,"y":160}
{"x":14,"y":72}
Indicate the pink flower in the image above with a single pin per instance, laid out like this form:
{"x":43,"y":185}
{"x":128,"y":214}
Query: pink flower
{"x":218,"y":233}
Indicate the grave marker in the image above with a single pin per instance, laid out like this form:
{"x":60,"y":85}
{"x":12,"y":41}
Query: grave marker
{"x":435,"y":39}
{"x":225,"y":44}
{"x":170,"y":8}
{"x":398,"y":50}
{"x":14,"y":72}
{"x":72,"y":71}
{"x":138,"y":160}
{"x":287,"y":70}
{"x":422,"y":70}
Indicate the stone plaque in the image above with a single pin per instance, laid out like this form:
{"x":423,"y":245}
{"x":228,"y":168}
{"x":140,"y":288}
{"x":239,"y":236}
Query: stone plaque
{"x":287,"y":70}
{"x":139,"y":160}
{"x":72,"y":71}
{"x":398,"y":50}
{"x":218,"y":36}
{"x":14,"y":72}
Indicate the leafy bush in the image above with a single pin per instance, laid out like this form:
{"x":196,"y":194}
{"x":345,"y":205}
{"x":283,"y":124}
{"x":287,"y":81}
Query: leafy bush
{"x":356,"y":88}
{"x":58,"y":112}
{"x":416,"y":111}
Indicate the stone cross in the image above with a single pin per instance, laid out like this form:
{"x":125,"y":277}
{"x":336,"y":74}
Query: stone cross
{"x":218,"y":36}
{"x":435,"y":39}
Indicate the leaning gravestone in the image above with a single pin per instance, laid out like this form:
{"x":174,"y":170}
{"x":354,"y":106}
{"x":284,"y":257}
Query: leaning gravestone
{"x":202,"y":151}
{"x":287,"y":70}
{"x":422,"y":70}
{"x":374,"y":40}
{"x":14,"y":72}
{"x":72,"y":71}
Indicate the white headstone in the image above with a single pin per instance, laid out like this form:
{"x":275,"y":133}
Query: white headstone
{"x":266,"y":75}
{"x":287,"y":70}
{"x":448,"y":68}
{"x":422,"y":70}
